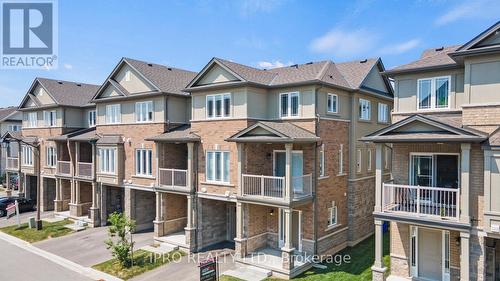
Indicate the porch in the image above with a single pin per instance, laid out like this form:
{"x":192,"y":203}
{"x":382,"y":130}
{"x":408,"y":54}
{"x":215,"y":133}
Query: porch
{"x":271,"y":259}
{"x":175,"y":170}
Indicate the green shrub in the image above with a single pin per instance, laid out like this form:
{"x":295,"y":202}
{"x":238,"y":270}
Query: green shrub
{"x":121,"y":228}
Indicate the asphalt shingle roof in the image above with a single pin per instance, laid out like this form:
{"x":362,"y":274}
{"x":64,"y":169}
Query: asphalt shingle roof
{"x":6,"y":112}
{"x":69,"y":93}
{"x":167,"y":79}
{"x":430,"y":58}
{"x":180,"y":134}
{"x":279,"y":132}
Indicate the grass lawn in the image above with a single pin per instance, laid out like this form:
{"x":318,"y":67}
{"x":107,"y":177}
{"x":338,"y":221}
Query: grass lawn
{"x":359,"y":269}
{"x":142,"y":263}
{"x":49,"y":230}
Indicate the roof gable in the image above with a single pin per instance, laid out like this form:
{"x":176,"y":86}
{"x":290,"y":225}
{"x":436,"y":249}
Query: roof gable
{"x":274,"y":132}
{"x":132,"y":81}
{"x":487,"y":38}
{"x":215,"y":72}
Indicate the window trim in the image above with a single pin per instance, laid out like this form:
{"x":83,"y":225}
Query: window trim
{"x":336,"y":103}
{"x":369,"y":166}
{"x":331,"y":210}
{"x":144,"y":169}
{"x":27,"y":156}
{"x":102,"y":162}
{"x":341,"y":159}
{"x":51,"y":157}
{"x":289,"y":105}
{"x":359,"y":158}
{"x":119,"y":115}
{"x":48,"y":122}
{"x":219,"y":165}
{"x":322,"y":168}
{"x":386,"y":112}
{"x":360,"y":115}
{"x":14,"y":128}
{"x":92,"y":121}
{"x":139,"y":114}
{"x":433,"y":93}
{"x":32,"y":122}
{"x":214,"y":108}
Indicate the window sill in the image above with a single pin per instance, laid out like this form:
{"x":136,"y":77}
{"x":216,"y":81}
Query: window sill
{"x":383,"y":123}
{"x":332,"y":227}
{"x":333,"y":113}
{"x":106,"y":174}
{"x":323,"y":177}
{"x":143,"y":177}
{"x":364,"y":121}
{"x":342,"y":174}
{"x":217,"y":183}
{"x":289,"y":117}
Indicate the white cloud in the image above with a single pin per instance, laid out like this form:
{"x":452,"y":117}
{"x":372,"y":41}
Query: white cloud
{"x":270,"y":64}
{"x":68,"y":66}
{"x":344,"y":43}
{"x":249,"y":7}
{"x":480,"y":9}
{"x":401,"y":47}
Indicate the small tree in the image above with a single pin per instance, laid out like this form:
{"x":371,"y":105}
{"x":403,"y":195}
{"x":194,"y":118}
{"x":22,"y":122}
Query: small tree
{"x":120,"y":228}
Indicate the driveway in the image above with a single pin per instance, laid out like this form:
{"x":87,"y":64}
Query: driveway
{"x":87,"y":247}
{"x":24,"y":218}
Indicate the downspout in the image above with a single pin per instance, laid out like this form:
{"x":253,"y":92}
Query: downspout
{"x":315,"y":205}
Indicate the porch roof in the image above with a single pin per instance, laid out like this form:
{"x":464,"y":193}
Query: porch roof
{"x":274,"y":132}
{"x":87,"y":134}
{"x":421,"y":128}
{"x":180,"y":134}
{"x":110,"y":139}
{"x":17,"y":136}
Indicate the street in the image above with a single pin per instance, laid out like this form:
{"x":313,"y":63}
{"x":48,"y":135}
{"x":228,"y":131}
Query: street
{"x":19,"y":264}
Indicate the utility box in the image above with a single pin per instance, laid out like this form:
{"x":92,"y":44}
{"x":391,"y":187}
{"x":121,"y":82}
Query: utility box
{"x":31,"y":222}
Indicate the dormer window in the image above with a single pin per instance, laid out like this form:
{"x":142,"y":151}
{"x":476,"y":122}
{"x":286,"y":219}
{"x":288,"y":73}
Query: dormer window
{"x":218,"y":106}
{"x":433,"y":93}
{"x":289,"y":105}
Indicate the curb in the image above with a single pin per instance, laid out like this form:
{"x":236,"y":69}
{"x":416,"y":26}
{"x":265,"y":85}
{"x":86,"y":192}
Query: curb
{"x":85,"y":271}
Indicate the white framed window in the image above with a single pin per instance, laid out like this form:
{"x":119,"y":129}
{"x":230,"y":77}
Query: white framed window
{"x":144,"y":162}
{"x":289,"y":104}
{"x":364,"y":109}
{"x":217,"y":166}
{"x":332,"y":103}
{"x":433,"y":93}
{"x":50,"y":118}
{"x":107,"y":157}
{"x":27,"y":154}
{"x":413,"y":250}
{"x":387,"y":157}
{"x":127,"y":76}
{"x":32,"y":120}
{"x":51,"y":157}
{"x":322,"y":161}
{"x":14,"y":128}
{"x":383,"y":113}
{"x":341,"y":159}
{"x":332,"y":215}
{"x":92,"y":118}
{"x":218,"y":106}
{"x":113,"y":114}
{"x":369,"y":166}
{"x":359,"y":158}
{"x":446,"y":253}
{"x":143,"y":111}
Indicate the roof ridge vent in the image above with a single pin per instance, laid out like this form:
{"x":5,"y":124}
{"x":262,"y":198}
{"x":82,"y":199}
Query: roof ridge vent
{"x":439,"y":49}
{"x":79,"y":85}
{"x":294,"y":65}
{"x":310,"y":62}
{"x":363,"y":61}
{"x":150,"y":64}
{"x":169,"y":68}
{"x":59,"y":82}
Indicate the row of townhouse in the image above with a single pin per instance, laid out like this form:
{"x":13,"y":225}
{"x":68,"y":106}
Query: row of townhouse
{"x":443,"y":201}
{"x":10,"y":121}
{"x":267,"y":161}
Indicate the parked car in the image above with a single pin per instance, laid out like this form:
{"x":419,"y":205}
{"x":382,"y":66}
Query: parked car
{"x":25,"y":205}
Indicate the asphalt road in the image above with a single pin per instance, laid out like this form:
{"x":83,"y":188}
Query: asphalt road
{"x":19,"y":264}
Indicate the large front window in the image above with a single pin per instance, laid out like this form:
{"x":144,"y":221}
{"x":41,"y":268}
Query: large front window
{"x":289,"y":104}
{"x":440,"y":170}
{"x":433,"y":93}
{"x":113,"y":114}
{"x":144,"y":111}
{"x":144,"y":162}
{"x":219,"y":106}
{"x":217,"y":166}
{"x":50,"y":118}
{"x":107,"y":158}
{"x":51,"y":157}
{"x":27,"y":154}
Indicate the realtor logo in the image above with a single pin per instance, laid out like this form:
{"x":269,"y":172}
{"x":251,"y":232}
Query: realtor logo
{"x":29,"y":35}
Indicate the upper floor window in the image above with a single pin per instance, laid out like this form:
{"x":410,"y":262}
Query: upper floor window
{"x":217,"y":166}
{"x":332,"y":215}
{"x":364,"y":109}
{"x":332,"y":103}
{"x":14,"y":128}
{"x":219,"y":106}
{"x":341,"y":159}
{"x":289,"y":104}
{"x":27,"y":155}
{"x":358,"y":160}
{"x":433,"y":92}
{"x":51,"y":157}
{"x":50,"y":118}
{"x":144,"y":162}
{"x":107,"y":157}
{"x":369,"y":165}
{"x":383,"y":113}
{"x":113,"y":114}
{"x":32,"y":120}
{"x":92,"y":118}
{"x":322,"y":161}
{"x":144,"y":111}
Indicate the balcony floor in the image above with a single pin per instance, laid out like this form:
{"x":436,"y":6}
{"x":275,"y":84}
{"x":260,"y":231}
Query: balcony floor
{"x":426,"y":209}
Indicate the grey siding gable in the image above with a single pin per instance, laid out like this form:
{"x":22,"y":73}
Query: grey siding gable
{"x":216,"y":74}
{"x":375,"y":81}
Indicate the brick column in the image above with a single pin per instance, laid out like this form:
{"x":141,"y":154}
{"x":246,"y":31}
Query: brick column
{"x":240,"y":240}
{"x":241,"y":164}
{"x":103,"y":205}
{"x":7,"y":183}
{"x":378,"y":178}
{"x":190,"y":166}
{"x":158,"y":222}
{"x":464,"y":182}
{"x":464,"y":255}
{"x":287,"y":250}
{"x":378,"y":268}
{"x":288,"y":173}
{"x":94,"y":209}
{"x":190,"y":228}
{"x":19,"y":173}
{"x":58,"y":206}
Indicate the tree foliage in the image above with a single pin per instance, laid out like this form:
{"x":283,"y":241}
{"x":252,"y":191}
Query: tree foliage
{"x":120,"y":241}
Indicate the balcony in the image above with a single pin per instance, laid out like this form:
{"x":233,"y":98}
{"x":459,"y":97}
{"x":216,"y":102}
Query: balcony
{"x":421,"y":201}
{"x":273,"y":188}
{"x":173,"y":178}
{"x":12,"y":163}
{"x":85,"y":170}
{"x":64,"y":168}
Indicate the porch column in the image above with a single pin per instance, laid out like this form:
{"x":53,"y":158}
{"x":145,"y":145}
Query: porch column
{"x":58,"y":201}
{"x":288,"y":173}
{"x":158,"y":222}
{"x":190,"y":228}
{"x":7,"y":182}
{"x":241,"y":163}
{"x":77,"y":193}
{"x":287,"y":250}
{"x":20,"y":175}
{"x":464,"y":255}
{"x":190,"y":163}
{"x":94,"y":209}
{"x":378,"y":177}
{"x":240,"y":240}
{"x":378,"y":268}
{"x":464,"y":182}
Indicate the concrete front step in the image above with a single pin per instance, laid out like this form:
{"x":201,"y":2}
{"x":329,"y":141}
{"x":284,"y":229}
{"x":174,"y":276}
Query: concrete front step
{"x":248,"y":273}
{"x":163,"y":248}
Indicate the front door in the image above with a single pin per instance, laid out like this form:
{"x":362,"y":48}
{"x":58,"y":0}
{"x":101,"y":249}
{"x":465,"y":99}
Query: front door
{"x":429,"y":254}
{"x":231,"y":222}
{"x":297,"y":168}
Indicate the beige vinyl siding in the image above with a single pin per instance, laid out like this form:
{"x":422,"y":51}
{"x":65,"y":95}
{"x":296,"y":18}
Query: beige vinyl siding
{"x":135,"y":83}
{"x":42,"y":95}
{"x":74,"y":118}
{"x":482,"y":82}
{"x":85,"y":116}
{"x":216,"y":75}
{"x":110,"y":92}
{"x":306,"y":102}
{"x":257,"y":105}
{"x":238,"y":103}
{"x":176,"y":109}
{"x":127,"y":109}
{"x":374,"y":80}
{"x":343,"y":103}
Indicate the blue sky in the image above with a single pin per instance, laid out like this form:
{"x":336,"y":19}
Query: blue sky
{"x":94,"y":35}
